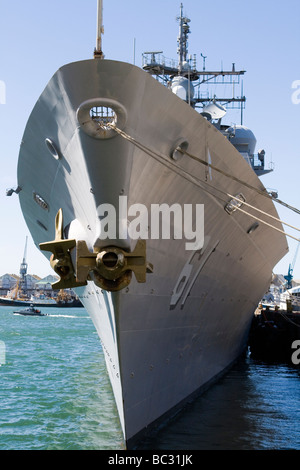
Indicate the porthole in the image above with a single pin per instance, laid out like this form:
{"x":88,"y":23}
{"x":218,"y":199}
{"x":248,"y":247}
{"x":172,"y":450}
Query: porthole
{"x":40,"y":201}
{"x":235,"y":203}
{"x":52,"y":148}
{"x":253,"y":227}
{"x":180,"y":146}
{"x":96,"y":115}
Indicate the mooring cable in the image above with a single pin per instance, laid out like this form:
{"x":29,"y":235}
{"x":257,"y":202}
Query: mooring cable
{"x":183,"y":173}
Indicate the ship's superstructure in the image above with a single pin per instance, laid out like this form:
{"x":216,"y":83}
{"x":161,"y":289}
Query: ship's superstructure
{"x":147,"y":209}
{"x":191,"y":85}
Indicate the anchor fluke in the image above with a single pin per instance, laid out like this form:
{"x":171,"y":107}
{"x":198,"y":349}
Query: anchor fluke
{"x":61,"y":261}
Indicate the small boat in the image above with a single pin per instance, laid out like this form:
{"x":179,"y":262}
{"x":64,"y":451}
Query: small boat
{"x":31,"y":311}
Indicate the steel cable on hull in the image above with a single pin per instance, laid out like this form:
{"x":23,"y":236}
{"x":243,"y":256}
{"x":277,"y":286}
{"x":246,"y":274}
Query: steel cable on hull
{"x":181,"y":172}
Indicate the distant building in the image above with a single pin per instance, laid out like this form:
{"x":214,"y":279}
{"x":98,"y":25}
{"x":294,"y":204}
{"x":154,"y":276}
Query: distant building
{"x":31,"y":281}
{"x":45,"y":284}
{"x":9,"y":282}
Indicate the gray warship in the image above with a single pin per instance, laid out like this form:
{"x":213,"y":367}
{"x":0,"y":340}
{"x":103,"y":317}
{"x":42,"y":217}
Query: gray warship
{"x":172,"y":308}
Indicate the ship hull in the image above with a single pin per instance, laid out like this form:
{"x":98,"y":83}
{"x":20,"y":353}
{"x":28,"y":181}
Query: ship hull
{"x":166,"y":339}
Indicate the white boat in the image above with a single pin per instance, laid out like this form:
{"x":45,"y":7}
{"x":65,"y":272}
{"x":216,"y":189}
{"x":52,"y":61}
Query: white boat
{"x":290,"y":299}
{"x":172,"y":310}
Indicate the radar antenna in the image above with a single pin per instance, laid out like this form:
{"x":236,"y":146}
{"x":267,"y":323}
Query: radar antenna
{"x":184,"y":30}
{"x":203,"y":57}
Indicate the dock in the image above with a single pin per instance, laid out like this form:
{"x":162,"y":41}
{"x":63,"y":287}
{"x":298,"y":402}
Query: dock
{"x":273,"y":334}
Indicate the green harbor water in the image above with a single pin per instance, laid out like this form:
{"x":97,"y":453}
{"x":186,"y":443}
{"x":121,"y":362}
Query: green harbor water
{"x":55,"y":395}
{"x":54,"y":389}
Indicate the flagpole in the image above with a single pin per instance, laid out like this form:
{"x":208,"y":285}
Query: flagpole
{"x":98,"y":54}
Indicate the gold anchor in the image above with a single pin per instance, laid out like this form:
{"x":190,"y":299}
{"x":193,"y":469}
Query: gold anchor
{"x":110,"y":268}
{"x":60,"y":260}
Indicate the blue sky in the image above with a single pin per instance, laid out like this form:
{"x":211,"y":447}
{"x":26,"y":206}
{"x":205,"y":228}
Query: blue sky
{"x":261,"y":37}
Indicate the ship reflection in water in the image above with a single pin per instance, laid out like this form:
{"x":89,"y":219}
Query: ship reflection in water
{"x":254,"y":407}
